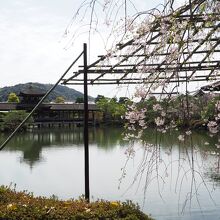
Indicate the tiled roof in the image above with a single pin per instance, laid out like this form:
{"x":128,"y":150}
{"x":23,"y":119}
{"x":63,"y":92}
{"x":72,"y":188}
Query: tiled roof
{"x":33,"y":91}
{"x":212,"y":87}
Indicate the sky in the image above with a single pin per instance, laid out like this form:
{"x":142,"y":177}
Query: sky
{"x":34,"y":47}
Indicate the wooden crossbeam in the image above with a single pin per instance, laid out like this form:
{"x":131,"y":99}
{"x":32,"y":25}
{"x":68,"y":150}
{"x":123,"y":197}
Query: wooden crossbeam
{"x":125,"y":68}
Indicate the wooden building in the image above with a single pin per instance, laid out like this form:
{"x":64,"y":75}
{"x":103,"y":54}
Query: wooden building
{"x":52,"y":114}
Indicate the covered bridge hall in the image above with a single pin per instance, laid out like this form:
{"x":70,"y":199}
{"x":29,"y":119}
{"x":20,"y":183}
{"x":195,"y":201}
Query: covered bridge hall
{"x":52,"y":114}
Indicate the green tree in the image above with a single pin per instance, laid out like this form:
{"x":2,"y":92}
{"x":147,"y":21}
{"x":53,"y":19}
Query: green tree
{"x":79,"y":100}
{"x":123,"y":100}
{"x":12,"y":97}
{"x":12,"y":119}
{"x":59,"y":99}
{"x":209,"y":111}
{"x":99,"y":97}
{"x":111,"y":109}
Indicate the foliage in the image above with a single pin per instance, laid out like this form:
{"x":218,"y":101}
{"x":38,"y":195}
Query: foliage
{"x":209,"y":111}
{"x":2,"y":115}
{"x":12,"y":97}
{"x":12,"y":119}
{"x":123,"y":100}
{"x":177,"y":111}
{"x":99,"y":97}
{"x":59,"y":99}
{"x":112,"y":109}
{"x":79,"y":100}
{"x":23,"y":205}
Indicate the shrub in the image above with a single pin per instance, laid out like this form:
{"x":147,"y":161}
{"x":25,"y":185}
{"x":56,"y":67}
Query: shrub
{"x":23,"y":205}
{"x":60,"y":99}
{"x":12,"y":119}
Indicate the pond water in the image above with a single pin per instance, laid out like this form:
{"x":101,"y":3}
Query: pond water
{"x":169,"y":179}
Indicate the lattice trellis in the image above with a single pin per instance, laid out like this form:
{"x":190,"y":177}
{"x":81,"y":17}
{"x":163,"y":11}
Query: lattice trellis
{"x":154,"y":56}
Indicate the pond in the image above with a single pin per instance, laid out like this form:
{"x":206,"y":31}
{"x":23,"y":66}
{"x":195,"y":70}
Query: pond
{"x":169,"y":179}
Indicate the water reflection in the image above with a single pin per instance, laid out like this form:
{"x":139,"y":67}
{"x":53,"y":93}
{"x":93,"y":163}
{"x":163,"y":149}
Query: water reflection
{"x":186,"y":167}
{"x":200,"y":147}
{"x":32,"y":143}
{"x":187,"y":172}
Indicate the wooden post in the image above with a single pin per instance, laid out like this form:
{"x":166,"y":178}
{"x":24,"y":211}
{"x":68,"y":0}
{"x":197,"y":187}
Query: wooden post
{"x":86,"y":136}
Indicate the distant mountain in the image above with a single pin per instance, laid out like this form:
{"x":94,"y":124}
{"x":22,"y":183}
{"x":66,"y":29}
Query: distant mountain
{"x":64,"y":91}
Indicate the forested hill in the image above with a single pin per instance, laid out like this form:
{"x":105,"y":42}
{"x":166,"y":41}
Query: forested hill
{"x":64,"y":91}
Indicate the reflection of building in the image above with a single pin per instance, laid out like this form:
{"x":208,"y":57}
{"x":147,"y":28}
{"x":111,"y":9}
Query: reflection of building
{"x":32,"y":144}
{"x":32,"y":154}
{"x":52,"y":114}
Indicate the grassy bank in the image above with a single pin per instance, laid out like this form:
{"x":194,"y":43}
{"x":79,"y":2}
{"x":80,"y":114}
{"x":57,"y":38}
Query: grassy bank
{"x":23,"y":205}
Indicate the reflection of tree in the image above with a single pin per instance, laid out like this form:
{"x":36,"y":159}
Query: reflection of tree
{"x":215,"y":176}
{"x":159,"y":146}
{"x":31,"y":144}
{"x":108,"y":137}
{"x":212,"y":172}
{"x":163,"y":153}
{"x":32,"y":154}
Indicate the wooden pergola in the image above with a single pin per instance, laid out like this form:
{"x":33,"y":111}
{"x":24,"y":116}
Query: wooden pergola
{"x":149,"y":62}
{"x":195,"y":62}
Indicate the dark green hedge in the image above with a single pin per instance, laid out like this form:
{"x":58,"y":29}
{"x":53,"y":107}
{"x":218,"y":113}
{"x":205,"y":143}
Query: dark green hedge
{"x":24,"y":206}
